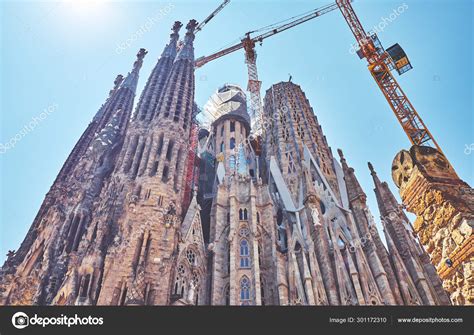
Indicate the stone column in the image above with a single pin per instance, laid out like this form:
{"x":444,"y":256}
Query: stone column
{"x":444,"y":205}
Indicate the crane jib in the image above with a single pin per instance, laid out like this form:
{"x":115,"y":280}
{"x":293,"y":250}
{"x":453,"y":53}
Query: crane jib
{"x":272,"y":31}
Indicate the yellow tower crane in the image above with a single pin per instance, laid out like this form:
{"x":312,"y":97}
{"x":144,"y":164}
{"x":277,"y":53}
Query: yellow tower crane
{"x":380,"y":64}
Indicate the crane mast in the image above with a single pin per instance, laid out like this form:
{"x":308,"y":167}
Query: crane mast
{"x":248,"y":44}
{"x":253,"y":86}
{"x":381,"y":63}
{"x":190,"y":175}
{"x":211,"y":16}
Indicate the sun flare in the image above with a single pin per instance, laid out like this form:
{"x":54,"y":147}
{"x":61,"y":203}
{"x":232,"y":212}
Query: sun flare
{"x":85,"y":5}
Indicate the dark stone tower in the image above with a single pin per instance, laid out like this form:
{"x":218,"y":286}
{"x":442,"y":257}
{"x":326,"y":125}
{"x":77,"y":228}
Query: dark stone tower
{"x":53,"y":243}
{"x":149,"y":219}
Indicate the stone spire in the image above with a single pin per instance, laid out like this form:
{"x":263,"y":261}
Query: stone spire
{"x":357,"y":197}
{"x":374,"y":250}
{"x":131,"y":80}
{"x":385,"y":198}
{"x":180,"y":82}
{"x":118,"y":80}
{"x":154,"y":162}
{"x":171,"y":48}
{"x":121,"y":102}
{"x":398,"y":230}
{"x":354,"y":190}
{"x":66,"y":214}
{"x":155,"y":83}
{"x":187,"y":51}
{"x":407,"y":287}
{"x":99,"y":120}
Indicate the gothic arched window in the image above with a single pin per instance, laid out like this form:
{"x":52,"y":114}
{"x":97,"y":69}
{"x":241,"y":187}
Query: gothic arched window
{"x":241,"y":214}
{"x":164,"y":177}
{"x":244,"y":289}
{"x":222,"y":146}
{"x":180,"y":281}
{"x":84,"y":288}
{"x":232,"y":143}
{"x":232,"y":126}
{"x":245,"y":214}
{"x":244,"y":254}
{"x":196,"y":279}
{"x":222,"y":130}
{"x":191,"y":256}
{"x":169,"y":151}
{"x":258,"y":217}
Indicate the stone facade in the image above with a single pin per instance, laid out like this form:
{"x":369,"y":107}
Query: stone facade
{"x":444,"y":206}
{"x":54,"y":247}
{"x":271,"y":221}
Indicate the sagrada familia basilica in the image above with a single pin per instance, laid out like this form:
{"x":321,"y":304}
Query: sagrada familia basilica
{"x":152,"y":208}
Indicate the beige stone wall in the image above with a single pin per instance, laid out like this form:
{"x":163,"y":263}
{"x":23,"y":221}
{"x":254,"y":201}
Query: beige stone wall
{"x":444,"y":205}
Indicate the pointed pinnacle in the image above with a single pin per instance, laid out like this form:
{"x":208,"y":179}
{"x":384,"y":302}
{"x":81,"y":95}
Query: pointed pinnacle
{"x":343,"y":159}
{"x":341,"y":154}
{"x":371,"y":168}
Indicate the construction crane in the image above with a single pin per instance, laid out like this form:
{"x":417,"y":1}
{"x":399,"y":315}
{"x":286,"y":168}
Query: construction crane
{"x":211,"y":16}
{"x":248,"y":44}
{"x":381,"y":63}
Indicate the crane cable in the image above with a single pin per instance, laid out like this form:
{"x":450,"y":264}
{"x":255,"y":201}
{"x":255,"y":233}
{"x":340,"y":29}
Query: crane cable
{"x":267,"y":28}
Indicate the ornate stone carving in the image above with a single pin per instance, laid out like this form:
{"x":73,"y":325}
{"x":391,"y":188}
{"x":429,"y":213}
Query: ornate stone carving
{"x":170,"y":217}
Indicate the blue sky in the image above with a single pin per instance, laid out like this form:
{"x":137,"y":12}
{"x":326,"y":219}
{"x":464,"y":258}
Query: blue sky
{"x":63,"y":56}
